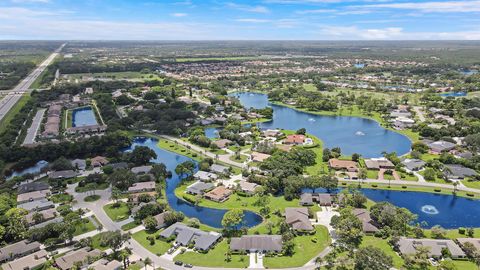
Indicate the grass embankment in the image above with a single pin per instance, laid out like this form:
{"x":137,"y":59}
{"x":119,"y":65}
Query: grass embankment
{"x":306,"y":247}
{"x":14,"y":111}
{"x":86,"y":225}
{"x":119,"y":213}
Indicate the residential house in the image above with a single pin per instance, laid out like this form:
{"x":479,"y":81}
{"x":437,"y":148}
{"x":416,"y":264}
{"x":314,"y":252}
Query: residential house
{"x":187,"y":235}
{"x":160,"y":218}
{"x":297,"y":218}
{"x":219,"y":169}
{"x":79,"y":164}
{"x":118,"y":165}
{"x":219,"y":194}
{"x":141,"y":169}
{"x":32,"y":186}
{"x":33,"y":196}
{"x":271,"y":133}
{"x":66,"y":174}
{"x":379,"y":163}
{"x":36,"y":205}
{"x":369,"y":225}
{"x":205,"y":176}
{"x":295,"y":139}
{"x":258,"y":157}
{"x":18,"y":249}
{"x":32,"y":261}
{"x":104,"y":264}
{"x":248,"y":187}
{"x":440,"y":146}
{"x":222,"y":143}
{"x":45,"y":215}
{"x":254,"y":243}
{"x":413,"y":164}
{"x":457,"y":172}
{"x":199,"y":188}
{"x":338,"y":164}
{"x":99,"y":161}
{"x":142,"y":187}
{"x":409,"y":246}
{"x":68,"y":260}
{"x":474,"y":241}
{"x":323,"y":199}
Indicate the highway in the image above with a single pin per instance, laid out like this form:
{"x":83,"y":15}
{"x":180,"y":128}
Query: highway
{"x":14,"y":95}
{"x":33,"y":129}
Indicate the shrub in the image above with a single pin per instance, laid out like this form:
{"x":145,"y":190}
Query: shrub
{"x":470,"y":195}
{"x":404,"y":187}
{"x":374,"y":185}
{"x":461,"y":230}
{"x":437,"y":190}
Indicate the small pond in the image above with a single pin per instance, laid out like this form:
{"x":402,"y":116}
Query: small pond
{"x":83,"y":117}
{"x":35,"y":169}
{"x":209,"y":216}
{"x":454,"y":94}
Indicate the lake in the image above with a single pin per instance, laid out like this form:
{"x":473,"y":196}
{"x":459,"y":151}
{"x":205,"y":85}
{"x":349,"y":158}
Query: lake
{"x":209,"y":216}
{"x":351,"y":134}
{"x":83,"y":117}
{"x":454,"y":94}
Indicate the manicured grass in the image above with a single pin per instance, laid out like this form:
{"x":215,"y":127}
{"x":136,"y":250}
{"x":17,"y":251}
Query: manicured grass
{"x":241,"y":158}
{"x":214,"y":258}
{"x":130,"y":225}
{"x":84,"y":227}
{"x":437,"y":179}
{"x":384,"y":246}
{"x":101,"y":186}
{"x":179,"y":149}
{"x":465,"y":265}
{"x":306,"y":247}
{"x":14,"y":111}
{"x":117,"y":213}
{"x":372,"y":174}
{"x":159,"y":248}
{"x":471,"y":184}
{"x":96,"y":242}
{"x":92,"y":198}
{"x":407,"y":177}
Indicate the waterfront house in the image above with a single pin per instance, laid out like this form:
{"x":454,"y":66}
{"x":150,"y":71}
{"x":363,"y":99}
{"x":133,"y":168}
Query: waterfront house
{"x":413,"y":164}
{"x":248,"y":187}
{"x":142,"y":187}
{"x":297,"y":218}
{"x":379,"y":163}
{"x":254,"y":243}
{"x":187,"y":235}
{"x":323,"y":199}
{"x":474,"y":241}
{"x":141,"y":169}
{"x":440,"y":146}
{"x":219,"y":194}
{"x":347,"y":165}
{"x":457,"y":172}
{"x":205,"y":176}
{"x":199,"y":188}
{"x":368,"y":225}
{"x":409,"y":246}
{"x":220,"y":169}
{"x":294,"y":139}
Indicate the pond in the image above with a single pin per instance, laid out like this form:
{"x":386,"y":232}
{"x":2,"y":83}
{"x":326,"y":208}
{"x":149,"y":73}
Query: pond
{"x":209,"y":216}
{"x":212,"y":133}
{"x":83,"y":117}
{"x":351,"y":134}
{"x":35,"y":169}
{"x":359,"y":65}
{"x":454,"y":94}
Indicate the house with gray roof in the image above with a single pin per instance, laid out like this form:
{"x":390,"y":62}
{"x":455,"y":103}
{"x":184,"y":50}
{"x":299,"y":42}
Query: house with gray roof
{"x":18,"y":249}
{"x":141,"y":169}
{"x":248,"y":187}
{"x":37,"y":205}
{"x":219,"y":169}
{"x":368,"y":225}
{"x":104,"y":264}
{"x":409,"y":246}
{"x":297,"y":218}
{"x":118,"y":165}
{"x":33,"y":196}
{"x":32,"y":186}
{"x":457,"y":172}
{"x":440,"y":146}
{"x":187,"y":235}
{"x":66,"y":174}
{"x":67,"y":261}
{"x":32,"y":261}
{"x":205,"y":176}
{"x":474,"y":241}
{"x":79,"y":164}
{"x":253,"y":243}
{"x":309,"y":199}
{"x":47,"y":214}
{"x":199,"y":188}
{"x":142,"y":187}
{"x":413,"y":164}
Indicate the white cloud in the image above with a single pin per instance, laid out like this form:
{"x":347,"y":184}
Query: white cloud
{"x":255,"y":9}
{"x":316,"y":11}
{"x":179,"y":14}
{"x":429,"y":7}
{"x":252,"y":20}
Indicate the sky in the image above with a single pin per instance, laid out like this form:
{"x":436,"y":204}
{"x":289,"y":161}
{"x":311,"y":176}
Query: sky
{"x":240,"y":20}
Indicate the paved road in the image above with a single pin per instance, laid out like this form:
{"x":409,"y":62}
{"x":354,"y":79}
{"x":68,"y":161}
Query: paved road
{"x":419,"y":113}
{"x":413,"y":183}
{"x":16,"y":93}
{"x":33,"y":129}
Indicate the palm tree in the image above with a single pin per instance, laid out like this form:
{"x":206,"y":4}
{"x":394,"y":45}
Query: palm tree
{"x":147,"y":261}
{"x":318,"y":262}
{"x":455,"y":184}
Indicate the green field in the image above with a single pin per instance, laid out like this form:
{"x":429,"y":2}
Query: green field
{"x":159,"y":248}
{"x":117,"y":213}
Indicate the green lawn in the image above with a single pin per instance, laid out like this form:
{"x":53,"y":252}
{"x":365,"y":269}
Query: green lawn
{"x":407,"y":177}
{"x":471,"y":184}
{"x":372,"y":174}
{"x":305,"y":250}
{"x":96,"y":242}
{"x":92,"y":198}
{"x":179,"y":149}
{"x":60,"y":198}
{"x":101,"y":186}
{"x":117,"y":213}
{"x":240,"y":158}
{"x":385,"y":247}
{"x":438,"y":180}
{"x":84,"y":227}
{"x":130,"y":225}
{"x":214,"y":258}
{"x":159,"y":248}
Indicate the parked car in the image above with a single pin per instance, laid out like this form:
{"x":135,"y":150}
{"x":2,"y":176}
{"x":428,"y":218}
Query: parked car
{"x":178,"y":263}
{"x":187,"y":265}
